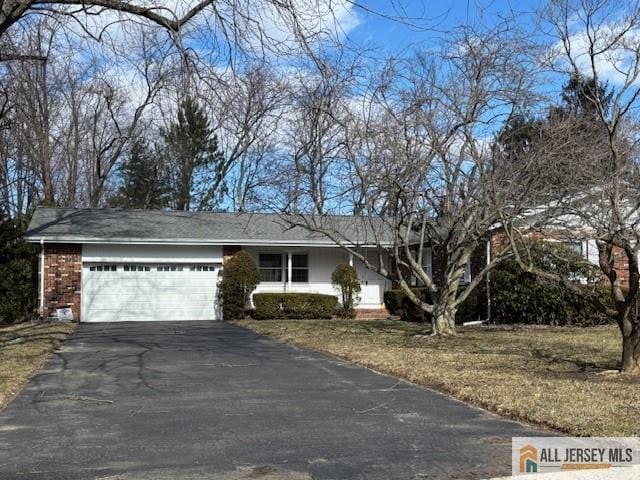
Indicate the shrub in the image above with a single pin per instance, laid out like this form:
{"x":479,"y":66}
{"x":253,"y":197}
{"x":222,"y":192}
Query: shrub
{"x":18,"y":273}
{"x":397,"y":303}
{"x":240,"y":276}
{"x":520,"y":297}
{"x":270,"y":306}
{"x":345,"y":279}
{"x":17,"y":289}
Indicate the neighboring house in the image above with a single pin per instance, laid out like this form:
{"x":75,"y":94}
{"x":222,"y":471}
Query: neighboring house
{"x":117,"y":265}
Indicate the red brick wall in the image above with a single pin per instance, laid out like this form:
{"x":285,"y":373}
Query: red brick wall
{"x":62,"y":269}
{"x":621,"y":265}
{"x":228,"y":251}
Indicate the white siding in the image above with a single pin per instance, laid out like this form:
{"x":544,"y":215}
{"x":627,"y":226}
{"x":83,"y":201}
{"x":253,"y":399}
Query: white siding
{"x":322,"y":262}
{"x":152,"y":253}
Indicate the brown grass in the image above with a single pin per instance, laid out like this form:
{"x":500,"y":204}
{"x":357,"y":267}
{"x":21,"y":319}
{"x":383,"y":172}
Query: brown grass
{"x":23,"y":350}
{"x":558,"y":377}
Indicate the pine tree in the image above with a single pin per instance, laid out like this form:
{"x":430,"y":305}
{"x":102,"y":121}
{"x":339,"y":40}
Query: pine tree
{"x":195,"y":162}
{"x":581,"y":94}
{"x":142,"y":180}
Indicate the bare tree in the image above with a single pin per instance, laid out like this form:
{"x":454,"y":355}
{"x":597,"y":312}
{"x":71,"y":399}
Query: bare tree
{"x":595,"y":45}
{"x":421,"y":167}
{"x":26,"y":84}
{"x":69,"y":118}
{"x":315,"y":139}
{"x":250,"y":26}
{"x":247,"y":106}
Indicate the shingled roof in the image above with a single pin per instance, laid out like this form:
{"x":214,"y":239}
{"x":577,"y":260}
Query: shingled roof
{"x":114,"y":225}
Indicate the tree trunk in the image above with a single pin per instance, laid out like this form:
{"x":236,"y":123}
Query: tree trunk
{"x":631,"y":351}
{"x":444,"y":317}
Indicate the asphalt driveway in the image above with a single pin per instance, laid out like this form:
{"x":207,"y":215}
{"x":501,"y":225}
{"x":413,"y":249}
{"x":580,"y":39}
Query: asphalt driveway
{"x":206,"y":400}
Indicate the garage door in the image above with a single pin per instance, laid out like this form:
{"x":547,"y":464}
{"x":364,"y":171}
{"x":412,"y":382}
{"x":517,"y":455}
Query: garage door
{"x":113,"y":292}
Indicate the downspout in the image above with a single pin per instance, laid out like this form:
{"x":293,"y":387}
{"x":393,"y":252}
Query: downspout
{"x":42,"y":277}
{"x":488,"y":281}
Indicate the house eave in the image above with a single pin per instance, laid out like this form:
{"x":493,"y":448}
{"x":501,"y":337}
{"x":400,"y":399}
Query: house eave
{"x":178,"y":241}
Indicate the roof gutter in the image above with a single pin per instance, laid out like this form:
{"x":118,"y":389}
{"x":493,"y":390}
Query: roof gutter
{"x":178,"y":241}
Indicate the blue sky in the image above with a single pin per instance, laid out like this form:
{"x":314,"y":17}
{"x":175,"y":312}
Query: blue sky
{"x":435,"y":17}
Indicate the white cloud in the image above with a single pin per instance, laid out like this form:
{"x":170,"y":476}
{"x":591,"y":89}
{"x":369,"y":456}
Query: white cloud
{"x":254,"y":25}
{"x":263,"y":26}
{"x":615,"y":60}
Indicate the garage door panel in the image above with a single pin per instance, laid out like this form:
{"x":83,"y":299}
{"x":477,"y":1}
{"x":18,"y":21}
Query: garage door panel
{"x":150,"y":295}
{"x":146,"y":289}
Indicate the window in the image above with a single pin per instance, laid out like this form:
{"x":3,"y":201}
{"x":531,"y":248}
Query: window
{"x":427,"y":262}
{"x":427,"y":266}
{"x":575,"y":246}
{"x":270,"y":267}
{"x":103,"y":268}
{"x":170,"y":268}
{"x":300,"y":268}
{"x":274,"y":267}
{"x":202,"y":268}
{"x":466,"y":278}
{"x":137,"y":268}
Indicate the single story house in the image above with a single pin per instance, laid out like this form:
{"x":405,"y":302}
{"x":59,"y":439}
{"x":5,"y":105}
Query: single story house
{"x":120,"y":265}
{"x":145,"y":265}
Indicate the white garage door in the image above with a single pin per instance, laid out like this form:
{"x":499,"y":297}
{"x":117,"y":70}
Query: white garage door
{"x":116,"y":292}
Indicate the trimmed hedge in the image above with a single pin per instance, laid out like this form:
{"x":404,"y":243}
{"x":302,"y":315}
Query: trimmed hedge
{"x":270,"y":306}
{"x":397,"y":303}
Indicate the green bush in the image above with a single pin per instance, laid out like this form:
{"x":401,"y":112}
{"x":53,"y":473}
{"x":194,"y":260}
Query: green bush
{"x":267,"y":305}
{"x":397,"y":303}
{"x":18,"y":273}
{"x":17,"y":290}
{"x":520,"y":297}
{"x":240,"y":276}
{"x":270,"y":306}
{"x":345,"y":279}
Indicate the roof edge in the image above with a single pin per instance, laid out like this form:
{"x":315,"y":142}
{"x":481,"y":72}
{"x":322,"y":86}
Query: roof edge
{"x":178,"y":241}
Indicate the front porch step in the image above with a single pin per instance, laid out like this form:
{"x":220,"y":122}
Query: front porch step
{"x":371,"y":314}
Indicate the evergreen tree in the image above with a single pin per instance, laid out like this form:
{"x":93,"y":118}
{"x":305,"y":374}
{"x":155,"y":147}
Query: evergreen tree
{"x":520,"y":136}
{"x":18,"y":270}
{"x":554,"y":144}
{"x":193,"y":157}
{"x":143,"y":184}
{"x":581,"y":94}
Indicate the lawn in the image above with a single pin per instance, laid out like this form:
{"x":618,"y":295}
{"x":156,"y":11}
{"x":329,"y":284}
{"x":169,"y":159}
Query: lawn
{"x":23,"y":350}
{"x":558,"y":377}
